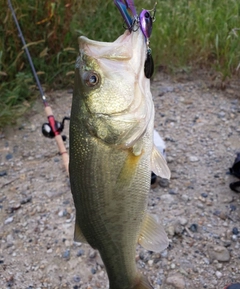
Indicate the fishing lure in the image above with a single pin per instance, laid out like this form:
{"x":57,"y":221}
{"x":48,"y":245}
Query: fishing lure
{"x":145,"y":22}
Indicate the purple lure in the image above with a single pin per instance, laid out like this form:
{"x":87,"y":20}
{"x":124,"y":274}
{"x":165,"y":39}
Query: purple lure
{"x":146,"y":23}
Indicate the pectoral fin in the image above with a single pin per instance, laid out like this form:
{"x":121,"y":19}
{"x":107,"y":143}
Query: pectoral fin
{"x":152,"y":236}
{"x":78,"y":235}
{"x":159,"y":165}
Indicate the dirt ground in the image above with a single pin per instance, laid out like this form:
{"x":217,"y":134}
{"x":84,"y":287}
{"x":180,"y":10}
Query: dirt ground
{"x":201,"y":128}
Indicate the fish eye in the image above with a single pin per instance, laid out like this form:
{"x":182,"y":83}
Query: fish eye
{"x":91,"y":79}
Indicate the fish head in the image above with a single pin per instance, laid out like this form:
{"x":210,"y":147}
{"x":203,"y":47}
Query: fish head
{"x":111,"y":84}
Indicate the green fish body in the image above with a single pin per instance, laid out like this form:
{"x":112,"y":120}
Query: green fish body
{"x":112,"y":155}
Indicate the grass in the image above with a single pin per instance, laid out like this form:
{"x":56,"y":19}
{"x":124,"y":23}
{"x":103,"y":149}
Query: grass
{"x":185,"y":34}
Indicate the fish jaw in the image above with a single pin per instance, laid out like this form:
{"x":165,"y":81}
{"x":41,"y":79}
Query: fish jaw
{"x":120,"y":106}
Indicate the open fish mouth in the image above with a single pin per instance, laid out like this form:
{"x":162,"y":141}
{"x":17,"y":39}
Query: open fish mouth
{"x":118,"y":49}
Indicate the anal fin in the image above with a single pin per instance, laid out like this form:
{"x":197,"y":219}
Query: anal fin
{"x":159,"y":165}
{"x":152,"y":235}
{"x":78,"y":235}
{"x":143,"y":284}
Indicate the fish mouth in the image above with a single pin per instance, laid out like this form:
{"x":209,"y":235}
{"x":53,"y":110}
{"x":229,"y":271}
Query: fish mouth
{"x":120,"y":49}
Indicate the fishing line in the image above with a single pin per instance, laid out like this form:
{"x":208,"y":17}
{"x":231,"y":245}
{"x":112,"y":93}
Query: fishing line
{"x":53,"y":128}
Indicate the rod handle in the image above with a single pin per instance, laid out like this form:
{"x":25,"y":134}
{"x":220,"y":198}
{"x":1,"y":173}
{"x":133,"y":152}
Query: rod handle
{"x":60,"y":143}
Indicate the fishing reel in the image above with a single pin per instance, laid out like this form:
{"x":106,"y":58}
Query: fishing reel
{"x":57,"y":128}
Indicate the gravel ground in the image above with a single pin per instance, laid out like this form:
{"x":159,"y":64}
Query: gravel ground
{"x":201,"y":127}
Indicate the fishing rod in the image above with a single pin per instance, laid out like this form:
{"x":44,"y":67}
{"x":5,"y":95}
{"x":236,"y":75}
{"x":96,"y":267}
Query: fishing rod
{"x":53,"y":128}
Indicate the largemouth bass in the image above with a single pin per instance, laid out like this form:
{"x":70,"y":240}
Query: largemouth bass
{"x":112,"y":156}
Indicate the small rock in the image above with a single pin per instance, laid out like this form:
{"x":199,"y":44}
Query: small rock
{"x":170,"y":230}
{"x":218,"y":274}
{"x":80,"y":253}
{"x":223,"y":216}
{"x":177,"y":281}
{"x":235,"y":231}
{"x":203,"y":200}
{"x":93,"y":271}
{"x":164,"y":254}
{"x":204,"y":195}
{"x":9,"y":156}
{"x":175,"y":228}
{"x":150,"y":263}
{"x":193,"y":228}
{"x":183,"y":221}
{"x":92,"y":254}
{"x":3,"y":173}
{"x":76,"y":279}
{"x":15,"y":207}
{"x":233,"y":207}
{"x":172,"y":192}
{"x":8,"y":220}
{"x":234,"y":238}
{"x":66,"y":254}
{"x":219,"y":266}
{"x":193,"y":159}
{"x":166,"y":198}
{"x":164,"y":183}
{"x":221,"y":114}
{"x":26,"y":200}
{"x":185,"y":198}
{"x":218,"y":253}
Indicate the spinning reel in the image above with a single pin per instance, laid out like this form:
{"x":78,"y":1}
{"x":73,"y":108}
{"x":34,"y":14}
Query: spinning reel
{"x":54,"y":127}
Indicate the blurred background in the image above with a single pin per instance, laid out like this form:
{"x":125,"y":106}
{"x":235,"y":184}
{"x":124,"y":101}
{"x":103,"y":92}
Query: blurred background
{"x":186,"y":35}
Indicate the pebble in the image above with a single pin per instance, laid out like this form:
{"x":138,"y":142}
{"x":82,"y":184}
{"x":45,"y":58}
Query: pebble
{"x":193,"y":159}
{"x":164,"y":183}
{"x":218,"y":274}
{"x":174,"y":228}
{"x":204,"y":195}
{"x":167,"y":198}
{"x":183,"y":221}
{"x":164,"y":253}
{"x":185,"y":197}
{"x":93,"y":271}
{"x":233,"y":207}
{"x":3,"y":173}
{"x":8,"y":220}
{"x":80,"y":253}
{"x":26,"y":200}
{"x":66,"y":254}
{"x":235,"y":231}
{"x":92,"y":254}
{"x":177,"y":281}
{"x":193,"y":228}
{"x":150,"y":263}
{"x":234,"y":238}
{"x":219,"y":253}
{"x":76,"y":279}
{"x":9,"y":156}
{"x":202,"y":199}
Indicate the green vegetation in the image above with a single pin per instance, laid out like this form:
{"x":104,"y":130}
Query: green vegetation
{"x":186,"y":34}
